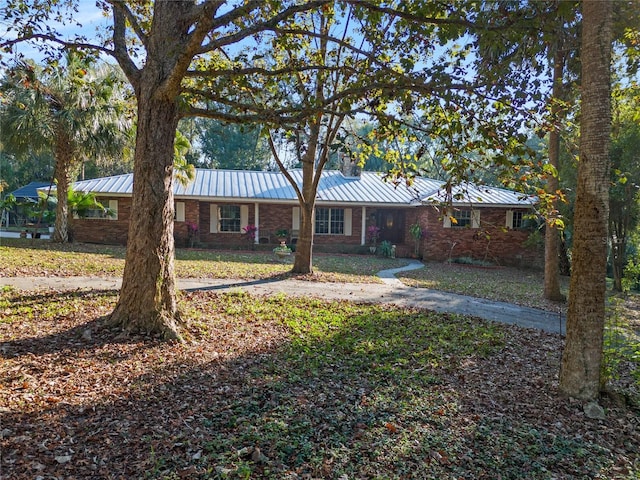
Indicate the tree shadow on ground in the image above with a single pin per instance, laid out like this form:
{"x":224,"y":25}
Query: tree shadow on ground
{"x":70,"y":326}
{"x":271,"y":388}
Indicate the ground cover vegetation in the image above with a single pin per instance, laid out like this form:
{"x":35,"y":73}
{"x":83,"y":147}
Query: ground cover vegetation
{"x":287,"y":389}
{"x":26,"y":258}
{"x":519,"y":286}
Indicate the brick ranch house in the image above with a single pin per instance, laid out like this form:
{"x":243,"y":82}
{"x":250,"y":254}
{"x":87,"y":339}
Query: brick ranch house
{"x":488,"y":221}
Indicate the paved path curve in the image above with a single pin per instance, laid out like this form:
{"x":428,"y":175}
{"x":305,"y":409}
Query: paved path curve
{"x":391,"y":291}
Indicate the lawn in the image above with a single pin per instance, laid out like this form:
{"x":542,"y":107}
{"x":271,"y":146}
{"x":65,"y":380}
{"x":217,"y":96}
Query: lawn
{"x":277,"y":388}
{"x":40,"y":258}
{"x":512,"y":285}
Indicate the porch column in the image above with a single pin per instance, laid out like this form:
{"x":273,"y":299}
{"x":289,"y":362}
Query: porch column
{"x":256,"y":210}
{"x":363,"y":229}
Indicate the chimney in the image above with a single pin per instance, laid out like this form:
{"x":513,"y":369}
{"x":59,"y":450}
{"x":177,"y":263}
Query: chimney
{"x":348,"y":167}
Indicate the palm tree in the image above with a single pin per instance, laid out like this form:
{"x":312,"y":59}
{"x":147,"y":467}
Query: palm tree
{"x":76,"y":111}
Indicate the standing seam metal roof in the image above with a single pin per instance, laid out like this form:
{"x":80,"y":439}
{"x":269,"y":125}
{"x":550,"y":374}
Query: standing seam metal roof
{"x":369,"y":188}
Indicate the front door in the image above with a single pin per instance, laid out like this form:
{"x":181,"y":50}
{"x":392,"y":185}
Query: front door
{"x":391,"y":225}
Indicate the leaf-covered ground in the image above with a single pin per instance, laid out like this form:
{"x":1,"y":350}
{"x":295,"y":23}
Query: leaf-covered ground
{"x":292,"y":389}
{"x":505,"y":284}
{"x":41,"y":258}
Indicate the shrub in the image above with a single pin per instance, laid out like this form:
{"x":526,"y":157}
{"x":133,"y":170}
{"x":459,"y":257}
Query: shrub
{"x":631,"y":276}
{"x":386,"y":249}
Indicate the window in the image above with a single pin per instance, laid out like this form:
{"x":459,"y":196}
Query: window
{"x":516,"y":221}
{"x":337,"y":221}
{"x":94,"y":213}
{"x":110,"y":212}
{"x":229,"y":218}
{"x":462,"y":217}
{"x":322,"y":220}
{"x":330,"y":221}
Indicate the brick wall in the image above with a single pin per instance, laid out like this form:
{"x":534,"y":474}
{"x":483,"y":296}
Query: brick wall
{"x":104,"y":230}
{"x":491,"y":242}
{"x":180,"y":229}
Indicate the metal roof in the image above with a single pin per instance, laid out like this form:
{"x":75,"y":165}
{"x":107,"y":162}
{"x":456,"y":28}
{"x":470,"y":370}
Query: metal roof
{"x":30,"y":190}
{"x":479,"y":195}
{"x":368,"y":188}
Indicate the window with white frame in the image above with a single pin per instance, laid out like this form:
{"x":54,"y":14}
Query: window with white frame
{"x":329,"y":221}
{"x":110,"y":212}
{"x":229,"y":218}
{"x":462,"y":218}
{"x":179,"y":214}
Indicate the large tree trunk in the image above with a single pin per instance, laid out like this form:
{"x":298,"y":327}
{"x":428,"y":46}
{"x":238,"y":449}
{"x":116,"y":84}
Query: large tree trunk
{"x":552,"y":238}
{"x":582,"y":356}
{"x":62,"y":176}
{"x":303,"y":262}
{"x":148,"y":298}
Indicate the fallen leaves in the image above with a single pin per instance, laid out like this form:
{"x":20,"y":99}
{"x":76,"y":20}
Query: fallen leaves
{"x":264,"y":390}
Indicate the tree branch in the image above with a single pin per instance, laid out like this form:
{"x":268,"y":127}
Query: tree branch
{"x":120,"y":52}
{"x":258,"y":27}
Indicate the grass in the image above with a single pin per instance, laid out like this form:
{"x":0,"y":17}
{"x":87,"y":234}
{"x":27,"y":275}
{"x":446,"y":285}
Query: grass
{"x":282,"y":388}
{"x":41,"y":258}
{"x":512,"y":285}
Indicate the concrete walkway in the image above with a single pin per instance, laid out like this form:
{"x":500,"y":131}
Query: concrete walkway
{"x":392,"y":291}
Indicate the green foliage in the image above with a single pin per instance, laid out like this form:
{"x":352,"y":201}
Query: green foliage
{"x":631,"y":278}
{"x":8,"y":203}
{"x":75,"y":112}
{"x":621,"y":349}
{"x":282,"y":248}
{"x":415,"y":231}
{"x":79,"y":203}
{"x":184,"y":171}
{"x":534,"y":240}
{"x":471,"y":261}
{"x":234,"y":147}
{"x":386,"y":249}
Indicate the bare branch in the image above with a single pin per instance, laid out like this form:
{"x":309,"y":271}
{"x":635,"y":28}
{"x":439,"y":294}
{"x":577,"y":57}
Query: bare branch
{"x":265,"y":72}
{"x":52,"y":39}
{"x":258,"y":27}
{"x":133,"y":21}
{"x":283,"y":168}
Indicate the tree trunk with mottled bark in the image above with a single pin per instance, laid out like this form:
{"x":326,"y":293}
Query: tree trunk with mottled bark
{"x":551,"y":237}
{"x":147,"y":301}
{"x":582,"y":356}
{"x":303,"y":262}
{"x":147,"y":298}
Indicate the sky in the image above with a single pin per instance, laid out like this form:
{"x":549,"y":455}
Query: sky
{"x":88,"y":16}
